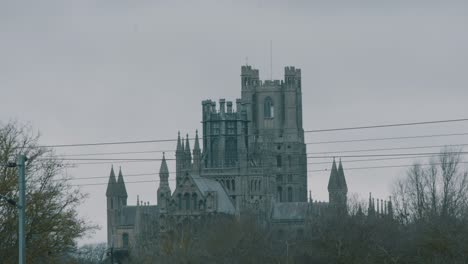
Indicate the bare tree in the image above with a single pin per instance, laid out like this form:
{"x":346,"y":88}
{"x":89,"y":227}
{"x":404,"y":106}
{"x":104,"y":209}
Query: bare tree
{"x":439,"y":190}
{"x":52,"y":224}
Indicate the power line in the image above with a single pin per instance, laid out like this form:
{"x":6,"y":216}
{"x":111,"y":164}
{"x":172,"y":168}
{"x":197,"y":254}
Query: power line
{"x":323,"y":170}
{"x":322,"y":162}
{"x":386,"y":166}
{"x":386,"y":138}
{"x":297,"y":154}
{"x":327,"y":152}
{"x":380,"y":159}
{"x":380,"y":149}
{"x":113,"y":153}
{"x":309,"y":131}
{"x":388,"y":125}
{"x":387,"y":155}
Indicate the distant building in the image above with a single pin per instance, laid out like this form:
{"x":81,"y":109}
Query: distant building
{"x":252,"y":158}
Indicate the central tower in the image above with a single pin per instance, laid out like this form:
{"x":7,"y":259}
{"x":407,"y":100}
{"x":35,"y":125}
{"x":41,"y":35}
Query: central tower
{"x":257,"y":151}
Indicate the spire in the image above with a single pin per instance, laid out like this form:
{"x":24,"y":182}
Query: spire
{"x":378,"y":207}
{"x":382,"y":207}
{"x":187,"y":152}
{"x":121,"y":185}
{"x":196,"y":155}
{"x":179,"y":145}
{"x":163,"y":169}
{"x":112,"y":184}
{"x":182,"y":145}
{"x":196,"y":146}
{"x":163,"y":174}
{"x":333,"y":180}
{"x":370,"y":209}
{"x":341,"y":177}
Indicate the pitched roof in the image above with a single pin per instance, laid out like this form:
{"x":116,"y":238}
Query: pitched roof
{"x":224,"y":202}
{"x":112,"y":188}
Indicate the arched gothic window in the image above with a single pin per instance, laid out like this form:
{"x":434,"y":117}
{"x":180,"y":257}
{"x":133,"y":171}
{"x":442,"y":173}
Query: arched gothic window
{"x":195,"y":201}
{"x":187,"y":201}
{"x":125,"y":240}
{"x":179,"y":201}
{"x":269,"y":109}
{"x":290,"y":194}
{"x":280,"y":194}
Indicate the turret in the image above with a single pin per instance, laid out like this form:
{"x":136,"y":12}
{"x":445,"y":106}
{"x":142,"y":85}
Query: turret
{"x":196,"y":155}
{"x":337,"y":188}
{"x":370,"y":209}
{"x":179,"y":159}
{"x":188,"y":155}
{"x":249,"y":77}
{"x":113,"y":206}
{"x":342,"y":179}
{"x":164,"y":191}
{"x":111,"y":185}
{"x":122,"y":190}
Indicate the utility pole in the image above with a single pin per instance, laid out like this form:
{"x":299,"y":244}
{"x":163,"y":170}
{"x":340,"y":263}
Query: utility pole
{"x":22,"y":207}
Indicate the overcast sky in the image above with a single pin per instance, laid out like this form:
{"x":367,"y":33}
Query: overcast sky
{"x":93,"y":71}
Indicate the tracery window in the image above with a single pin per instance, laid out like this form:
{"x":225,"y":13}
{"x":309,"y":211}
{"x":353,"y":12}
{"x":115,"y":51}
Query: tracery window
{"x":187,"y":201}
{"x":268,"y":108}
{"x":280,"y":193}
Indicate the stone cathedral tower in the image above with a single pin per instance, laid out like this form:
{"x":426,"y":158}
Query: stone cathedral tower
{"x":257,"y":151}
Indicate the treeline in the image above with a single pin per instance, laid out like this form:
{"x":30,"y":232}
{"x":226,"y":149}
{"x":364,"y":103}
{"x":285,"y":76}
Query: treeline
{"x":429,"y":225}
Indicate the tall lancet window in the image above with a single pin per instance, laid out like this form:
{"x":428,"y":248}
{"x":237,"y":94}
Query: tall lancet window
{"x":269,"y":109}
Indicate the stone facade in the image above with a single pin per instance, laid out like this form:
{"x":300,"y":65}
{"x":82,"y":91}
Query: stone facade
{"x":252,"y":158}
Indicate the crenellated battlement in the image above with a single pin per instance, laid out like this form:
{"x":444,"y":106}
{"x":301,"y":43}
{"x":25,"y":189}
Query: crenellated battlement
{"x":248,"y":71}
{"x":225,"y":107}
{"x":292,"y":71}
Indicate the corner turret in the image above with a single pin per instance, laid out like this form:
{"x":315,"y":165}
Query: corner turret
{"x":122,"y":190}
{"x":196,"y":155}
{"x":188,"y":155}
{"x":164,"y":191}
{"x":337,"y":188}
{"x":179,"y":155}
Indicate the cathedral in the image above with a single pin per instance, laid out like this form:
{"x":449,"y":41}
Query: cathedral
{"x":251,"y":156}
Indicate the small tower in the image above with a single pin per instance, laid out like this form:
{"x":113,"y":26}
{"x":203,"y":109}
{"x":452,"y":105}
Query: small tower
{"x":371,"y":208}
{"x":337,"y":188}
{"x":196,"y":155}
{"x":188,"y":155}
{"x":164,"y":191}
{"x":122,"y":190}
{"x":113,"y":207}
{"x":179,"y":159}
